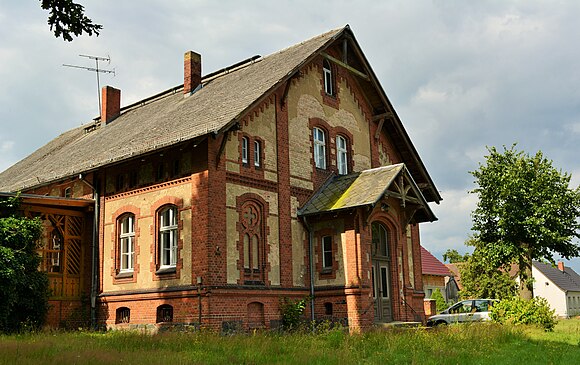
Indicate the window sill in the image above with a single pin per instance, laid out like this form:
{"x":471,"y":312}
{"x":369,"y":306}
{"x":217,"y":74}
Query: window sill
{"x":165,"y":270}
{"x":124,"y":275}
{"x":326,"y":271}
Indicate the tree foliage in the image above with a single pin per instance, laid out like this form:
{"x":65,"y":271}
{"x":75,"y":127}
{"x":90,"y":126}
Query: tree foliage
{"x":440,"y":302}
{"x":67,"y":18}
{"x":480,"y":280}
{"x":526,"y":211}
{"x":453,"y":256}
{"x":24,"y":289}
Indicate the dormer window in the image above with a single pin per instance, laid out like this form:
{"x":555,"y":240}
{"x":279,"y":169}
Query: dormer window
{"x":328,"y":78}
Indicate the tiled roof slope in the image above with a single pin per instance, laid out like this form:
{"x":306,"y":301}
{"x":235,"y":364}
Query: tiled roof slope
{"x":431,"y":266}
{"x":568,"y":280}
{"x":362,"y":189}
{"x":166,"y":120}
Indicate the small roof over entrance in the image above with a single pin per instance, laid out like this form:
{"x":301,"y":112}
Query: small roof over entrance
{"x":367,"y":188}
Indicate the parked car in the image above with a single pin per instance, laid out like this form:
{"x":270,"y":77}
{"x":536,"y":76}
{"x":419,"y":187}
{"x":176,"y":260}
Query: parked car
{"x":469,"y":310}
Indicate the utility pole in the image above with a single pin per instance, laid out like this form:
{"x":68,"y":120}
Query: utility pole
{"x":96,"y":70}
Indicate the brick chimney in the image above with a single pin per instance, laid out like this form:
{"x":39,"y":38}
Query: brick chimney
{"x":191,"y":72}
{"x":110,"y":104}
{"x":561,"y":266}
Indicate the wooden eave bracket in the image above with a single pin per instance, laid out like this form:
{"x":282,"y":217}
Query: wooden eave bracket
{"x":349,"y":68}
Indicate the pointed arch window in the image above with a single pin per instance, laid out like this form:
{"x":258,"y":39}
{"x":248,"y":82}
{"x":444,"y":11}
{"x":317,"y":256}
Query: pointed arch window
{"x":252,"y":242}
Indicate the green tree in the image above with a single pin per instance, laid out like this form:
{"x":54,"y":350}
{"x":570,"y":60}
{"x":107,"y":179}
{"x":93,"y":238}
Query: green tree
{"x":453,"y":256}
{"x":67,"y":18}
{"x":439,"y":300}
{"x":481,"y":280}
{"x":526,"y":211}
{"x":23,"y":289}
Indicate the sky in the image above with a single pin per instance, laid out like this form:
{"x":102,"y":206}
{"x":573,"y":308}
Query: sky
{"x":462,"y":75}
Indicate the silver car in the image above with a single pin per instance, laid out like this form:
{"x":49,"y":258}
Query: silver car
{"x":469,"y":310}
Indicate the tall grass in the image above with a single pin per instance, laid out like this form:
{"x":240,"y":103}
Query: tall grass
{"x":469,"y":344}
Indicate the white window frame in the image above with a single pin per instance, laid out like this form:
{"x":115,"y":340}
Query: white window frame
{"x":341,"y":155}
{"x":257,"y":151}
{"x":319,"y":139}
{"x":168,"y":237}
{"x":326,"y":243}
{"x":327,"y":74}
{"x":245,"y":143}
{"x":127,"y":243}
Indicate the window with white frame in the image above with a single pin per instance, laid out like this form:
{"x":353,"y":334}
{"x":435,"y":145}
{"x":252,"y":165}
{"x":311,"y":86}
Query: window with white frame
{"x":257,"y":151}
{"x":244,"y":150}
{"x":327,"y":252}
{"x":319,"y":148}
{"x":127,"y":243}
{"x":328,"y":78}
{"x":168,"y":237}
{"x":341,"y":155}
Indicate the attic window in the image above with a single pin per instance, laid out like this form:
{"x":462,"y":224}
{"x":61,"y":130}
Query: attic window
{"x":328,"y":78}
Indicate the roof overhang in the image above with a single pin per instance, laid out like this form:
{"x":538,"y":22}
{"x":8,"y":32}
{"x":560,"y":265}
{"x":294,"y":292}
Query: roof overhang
{"x":52,"y":201}
{"x":366,"y":189}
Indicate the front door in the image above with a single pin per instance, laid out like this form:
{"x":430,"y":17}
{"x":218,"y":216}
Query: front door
{"x":380,"y":274}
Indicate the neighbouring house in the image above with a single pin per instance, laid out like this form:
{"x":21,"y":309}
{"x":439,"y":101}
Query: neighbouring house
{"x":455,"y":269}
{"x":437,"y":276}
{"x":283,"y":176}
{"x":560,"y":286}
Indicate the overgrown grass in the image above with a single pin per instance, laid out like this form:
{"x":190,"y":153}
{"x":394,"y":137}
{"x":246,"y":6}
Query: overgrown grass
{"x":460,"y":344}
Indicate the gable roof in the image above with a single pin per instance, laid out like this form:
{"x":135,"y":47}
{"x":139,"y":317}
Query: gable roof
{"x":170,"y":118}
{"x":567,"y":280}
{"x":367,"y":187}
{"x":430,"y":265}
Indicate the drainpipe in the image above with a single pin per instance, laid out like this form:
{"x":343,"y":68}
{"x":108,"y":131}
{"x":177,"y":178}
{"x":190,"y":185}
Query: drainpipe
{"x":311,"y":266}
{"x":94,"y":254}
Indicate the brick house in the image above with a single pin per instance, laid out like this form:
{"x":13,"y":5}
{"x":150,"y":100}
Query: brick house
{"x":281,"y":176}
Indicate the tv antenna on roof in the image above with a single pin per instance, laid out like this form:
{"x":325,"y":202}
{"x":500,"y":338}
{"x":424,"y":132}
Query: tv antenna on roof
{"x":96,"y":70}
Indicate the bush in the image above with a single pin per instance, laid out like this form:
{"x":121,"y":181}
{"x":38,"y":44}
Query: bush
{"x":292,"y":312}
{"x":536,"y":311}
{"x":439,"y":300}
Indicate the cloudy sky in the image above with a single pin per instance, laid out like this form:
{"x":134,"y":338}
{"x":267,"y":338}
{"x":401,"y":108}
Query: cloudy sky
{"x":462,"y":75}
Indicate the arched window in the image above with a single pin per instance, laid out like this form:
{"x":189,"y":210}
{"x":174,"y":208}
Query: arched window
{"x":257,"y":151}
{"x":319,"y":148}
{"x":341,"y":155}
{"x":168,"y":237}
{"x":123,"y":315}
{"x":245,"y":150}
{"x":328,"y":78}
{"x":164,"y":313}
{"x":126,"y":242}
{"x":380,"y":240}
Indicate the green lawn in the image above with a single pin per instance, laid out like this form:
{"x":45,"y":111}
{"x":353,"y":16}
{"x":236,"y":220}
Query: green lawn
{"x":460,"y":344}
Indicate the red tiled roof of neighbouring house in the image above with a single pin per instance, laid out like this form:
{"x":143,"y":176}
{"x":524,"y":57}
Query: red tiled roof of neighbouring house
{"x":431,"y":266}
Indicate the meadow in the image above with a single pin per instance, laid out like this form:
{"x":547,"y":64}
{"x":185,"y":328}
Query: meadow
{"x":483,"y":343}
